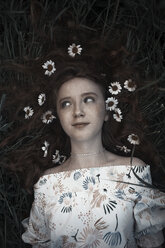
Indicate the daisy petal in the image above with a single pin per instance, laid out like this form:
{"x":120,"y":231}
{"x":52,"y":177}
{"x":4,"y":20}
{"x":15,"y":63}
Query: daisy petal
{"x":124,"y":149}
{"x":111,"y":103}
{"x":45,"y":148}
{"x":133,"y":139}
{"x":47,"y":117}
{"x":118,"y":115}
{"x":74,"y":49}
{"x":49,"y":66}
{"x":130,"y":85}
{"x":57,"y":158}
{"x":41,"y":99}
{"x":115,"y":88}
{"x":28,"y":112}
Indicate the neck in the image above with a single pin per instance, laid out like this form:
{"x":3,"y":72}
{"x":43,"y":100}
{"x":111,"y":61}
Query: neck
{"x":91,"y":146}
{"x":84,"y":156}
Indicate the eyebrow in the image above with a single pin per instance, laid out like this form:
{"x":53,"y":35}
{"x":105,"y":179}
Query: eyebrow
{"x":82,"y":95}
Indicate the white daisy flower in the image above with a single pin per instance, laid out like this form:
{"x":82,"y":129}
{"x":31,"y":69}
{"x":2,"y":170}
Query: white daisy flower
{"x":111,"y":103}
{"x":133,"y":139}
{"x":41,"y":99}
{"x":57,"y":158}
{"x":115,"y":88}
{"x":47,"y":117}
{"x":49,"y":66}
{"x":28,"y":112}
{"x":130,"y":85}
{"x":124,"y":149}
{"x":117,"y":115}
{"x":74,"y":49}
{"x":45,"y":148}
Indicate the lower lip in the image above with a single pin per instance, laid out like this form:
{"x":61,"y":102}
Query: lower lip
{"x":80,"y":125}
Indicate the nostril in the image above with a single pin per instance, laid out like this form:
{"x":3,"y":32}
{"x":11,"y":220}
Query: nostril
{"x":79,"y":114}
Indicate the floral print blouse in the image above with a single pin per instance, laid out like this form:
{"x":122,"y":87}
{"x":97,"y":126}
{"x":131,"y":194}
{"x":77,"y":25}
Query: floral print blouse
{"x":96,"y":207}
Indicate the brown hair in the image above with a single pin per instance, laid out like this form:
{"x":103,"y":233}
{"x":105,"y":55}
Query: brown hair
{"x":100,"y":62}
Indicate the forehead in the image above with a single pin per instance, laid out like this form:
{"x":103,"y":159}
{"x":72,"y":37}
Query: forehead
{"x":77,"y":86}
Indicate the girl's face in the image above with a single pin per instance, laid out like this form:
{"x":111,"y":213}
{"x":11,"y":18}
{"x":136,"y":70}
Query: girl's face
{"x":81,"y":109}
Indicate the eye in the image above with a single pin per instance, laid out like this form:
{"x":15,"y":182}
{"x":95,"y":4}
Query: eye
{"x":89,"y":99}
{"x":65,"y":104}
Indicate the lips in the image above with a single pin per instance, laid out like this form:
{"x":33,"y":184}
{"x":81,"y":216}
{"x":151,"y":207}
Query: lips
{"x":80,"y":124}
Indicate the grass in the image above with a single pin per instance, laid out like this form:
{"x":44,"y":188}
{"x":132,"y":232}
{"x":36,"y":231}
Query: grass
{"x":144,"y":23}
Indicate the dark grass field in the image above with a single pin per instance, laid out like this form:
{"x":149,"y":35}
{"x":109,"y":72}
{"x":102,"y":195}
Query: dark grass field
{"x":144,"y":23}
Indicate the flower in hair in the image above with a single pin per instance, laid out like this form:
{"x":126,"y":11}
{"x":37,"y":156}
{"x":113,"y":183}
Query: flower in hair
{"x":124,"y":149}
{"x":57,"y":158}
{"x":41,"y":99}
{"x":111,"y":103}
{"x":117,"y":115}
{"x":74,"y":49}
{"x":133,"y":139}
{"x":47,"y":117}
{"x":45,"y":148}
{"x":115,"y":88}
{"x":49,"y":67}
{"x":129,"y":85}
{"x":28,"y":112}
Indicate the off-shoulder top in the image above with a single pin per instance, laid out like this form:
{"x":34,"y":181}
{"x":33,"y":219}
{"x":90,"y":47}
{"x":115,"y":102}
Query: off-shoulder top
{"x":104,"y":207}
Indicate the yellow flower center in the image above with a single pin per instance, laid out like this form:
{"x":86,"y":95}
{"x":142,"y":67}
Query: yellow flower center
{"x":50,"y":67}
{"x":134,"y":137}
{"x":48,"y":116}
{"x":74,"y":49}
{"x":110,"y":104}
{"x":131,"y":84}
{"x":114,"y":88}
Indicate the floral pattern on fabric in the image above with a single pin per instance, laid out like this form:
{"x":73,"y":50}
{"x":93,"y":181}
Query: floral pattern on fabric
{"x":96,"y":207}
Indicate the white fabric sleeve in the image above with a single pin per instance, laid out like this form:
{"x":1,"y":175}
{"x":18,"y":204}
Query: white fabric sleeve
{"x":36,"y":232}
{"x":149,"y":213}
{"x":156,"y":239}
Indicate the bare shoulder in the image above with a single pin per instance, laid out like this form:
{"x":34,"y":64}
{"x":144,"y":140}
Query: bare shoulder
{"x":120,"y":160}
{"x":137,"y":162}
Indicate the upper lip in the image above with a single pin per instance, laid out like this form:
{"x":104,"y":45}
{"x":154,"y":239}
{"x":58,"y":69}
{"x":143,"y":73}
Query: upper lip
{"x":80,"y":123}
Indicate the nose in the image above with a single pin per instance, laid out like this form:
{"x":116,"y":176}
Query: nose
{"x":78,"y":110}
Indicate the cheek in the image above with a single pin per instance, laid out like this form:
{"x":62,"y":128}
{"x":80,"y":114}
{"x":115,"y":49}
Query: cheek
{"x":101,"y":112}
{"x":64,"y":120}
{"x":98,"y":117}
